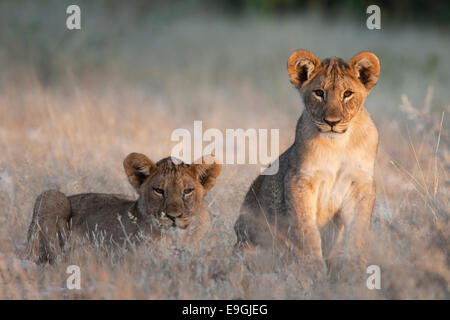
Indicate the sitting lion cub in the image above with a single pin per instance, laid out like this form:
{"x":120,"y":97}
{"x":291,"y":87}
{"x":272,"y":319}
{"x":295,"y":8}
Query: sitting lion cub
{"x":170,"y":197}
{"x":322,"y":197}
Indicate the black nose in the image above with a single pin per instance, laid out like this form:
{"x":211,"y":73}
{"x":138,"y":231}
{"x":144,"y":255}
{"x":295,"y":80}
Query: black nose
{"x":174,"y":215}
{"x":331,"y":123}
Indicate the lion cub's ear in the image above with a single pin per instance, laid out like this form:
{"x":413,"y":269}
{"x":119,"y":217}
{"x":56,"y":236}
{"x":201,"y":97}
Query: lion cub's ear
{"x":207,"y":171}
{"x":366,"y":67}
{"x":137,"y":167}
{"x":302,"y":65}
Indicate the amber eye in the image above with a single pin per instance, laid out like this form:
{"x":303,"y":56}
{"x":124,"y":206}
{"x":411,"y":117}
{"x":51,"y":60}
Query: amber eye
{"x":158,"y":191}
{"x":347,"y":93}
{"x":319,"y":93}
{"x":187,"y":192}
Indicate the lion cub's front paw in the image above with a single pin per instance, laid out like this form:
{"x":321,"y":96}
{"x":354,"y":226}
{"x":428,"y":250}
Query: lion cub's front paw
{"x":320,"y":269}
{"x":317,"y":268}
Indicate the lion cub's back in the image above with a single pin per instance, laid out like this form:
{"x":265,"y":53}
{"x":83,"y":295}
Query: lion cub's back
{"x":98,"y":209}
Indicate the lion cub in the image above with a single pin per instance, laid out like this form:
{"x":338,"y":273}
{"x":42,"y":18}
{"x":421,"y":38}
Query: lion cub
{"x":321,"y":199}
{"x":170,"y":198}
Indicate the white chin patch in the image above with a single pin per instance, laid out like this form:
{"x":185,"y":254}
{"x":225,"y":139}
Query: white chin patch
{"x":331,"y":135}
{"x":174,"y":232}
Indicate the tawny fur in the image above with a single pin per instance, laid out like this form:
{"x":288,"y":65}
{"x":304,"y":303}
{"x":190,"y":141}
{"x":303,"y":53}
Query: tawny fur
{"x":320,"y":201}
{"x":170,"y":202}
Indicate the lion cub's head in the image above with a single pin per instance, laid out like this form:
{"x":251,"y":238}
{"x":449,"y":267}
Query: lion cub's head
{"x":172,"y":194}
{"x":333,"y":90}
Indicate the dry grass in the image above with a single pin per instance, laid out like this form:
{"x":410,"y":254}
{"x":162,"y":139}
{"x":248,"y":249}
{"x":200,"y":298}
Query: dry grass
{"x":74,"y":134}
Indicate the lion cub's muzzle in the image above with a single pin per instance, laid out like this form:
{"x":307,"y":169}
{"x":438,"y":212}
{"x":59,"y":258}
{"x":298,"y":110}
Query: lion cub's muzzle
{"x":173,"y":219}
{"x":332,"y":125}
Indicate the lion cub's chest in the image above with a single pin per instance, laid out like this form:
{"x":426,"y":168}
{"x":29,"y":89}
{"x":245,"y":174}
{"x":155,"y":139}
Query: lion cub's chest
{"x":333,"y":191}
{"x":334,"y":177}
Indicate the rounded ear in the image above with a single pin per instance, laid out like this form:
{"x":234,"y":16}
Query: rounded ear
{"x":301,"y":66}
{"x":207,"y":171}
{"x":137,"y":167}
{"x":366,"y":68}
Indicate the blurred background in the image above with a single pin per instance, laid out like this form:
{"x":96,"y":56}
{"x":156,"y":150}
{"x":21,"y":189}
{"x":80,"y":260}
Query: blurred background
{"x":74,"y":103}
{"x":225,"y":42}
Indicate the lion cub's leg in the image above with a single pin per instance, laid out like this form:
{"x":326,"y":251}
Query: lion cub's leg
{"x":301,"y":198}
{"x":49,"y":226}
{"x":242,"y":233}
{"x":356,"y":215}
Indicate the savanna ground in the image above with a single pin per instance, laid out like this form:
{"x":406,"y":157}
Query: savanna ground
{"x":74,"y":104}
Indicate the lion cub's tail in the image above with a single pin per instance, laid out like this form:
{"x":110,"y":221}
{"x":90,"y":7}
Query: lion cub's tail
{"x":49,"y":226}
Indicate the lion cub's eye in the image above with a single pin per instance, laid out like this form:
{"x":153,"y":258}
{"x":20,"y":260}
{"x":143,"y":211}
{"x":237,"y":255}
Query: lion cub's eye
{"x":319,"y":93}
{"x":347,"y":93}
{"x":187,"y":192}
{"x":159,"y":192}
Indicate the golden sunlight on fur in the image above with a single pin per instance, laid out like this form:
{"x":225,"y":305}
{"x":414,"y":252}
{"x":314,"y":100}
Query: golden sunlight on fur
{"x":325,"y":185}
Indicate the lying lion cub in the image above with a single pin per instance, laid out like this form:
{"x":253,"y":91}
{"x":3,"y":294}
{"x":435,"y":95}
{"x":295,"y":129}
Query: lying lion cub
{"x":170,"y":197}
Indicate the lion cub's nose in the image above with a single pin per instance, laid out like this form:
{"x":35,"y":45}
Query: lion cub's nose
{"x":174,"y":215}
{"x":331,"y":122}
